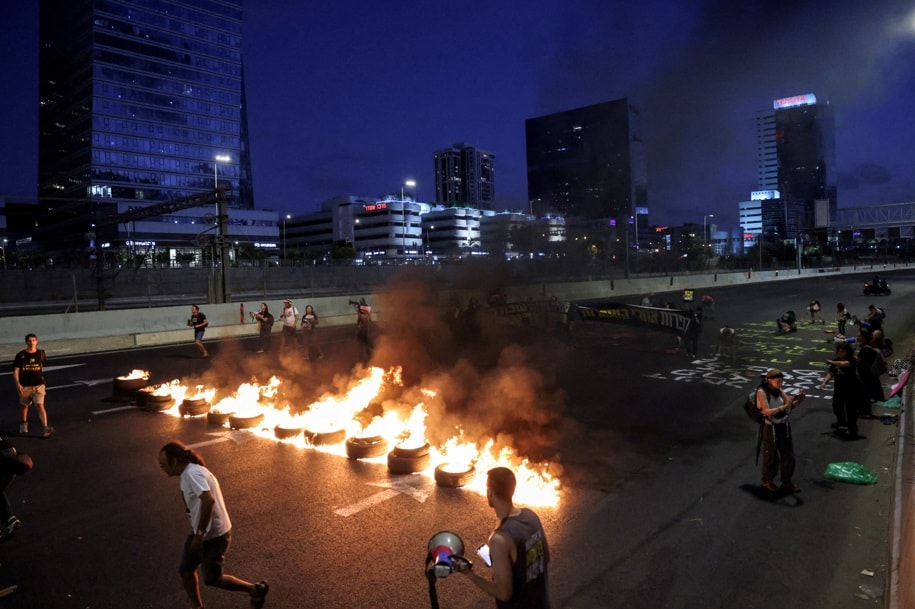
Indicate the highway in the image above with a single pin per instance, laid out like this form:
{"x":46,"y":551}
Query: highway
{"x":659,"y":504}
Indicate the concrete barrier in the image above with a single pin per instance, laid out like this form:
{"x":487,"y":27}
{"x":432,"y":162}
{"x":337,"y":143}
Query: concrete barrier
{"x":94,"y":331}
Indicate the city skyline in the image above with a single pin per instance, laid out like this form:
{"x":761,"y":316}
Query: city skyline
{"x":355,"y":99}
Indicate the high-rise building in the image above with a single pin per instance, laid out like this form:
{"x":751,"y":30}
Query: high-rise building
{"x":796,"y":152}
{"x":588,"y":162}
{"x":464,"y":176}
{"x":141,"y":103}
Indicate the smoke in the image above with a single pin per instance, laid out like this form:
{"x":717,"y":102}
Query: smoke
{"x":490,"y":380}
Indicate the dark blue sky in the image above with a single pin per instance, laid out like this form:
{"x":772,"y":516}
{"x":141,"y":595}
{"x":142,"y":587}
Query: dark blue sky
{"x":353,"y":97}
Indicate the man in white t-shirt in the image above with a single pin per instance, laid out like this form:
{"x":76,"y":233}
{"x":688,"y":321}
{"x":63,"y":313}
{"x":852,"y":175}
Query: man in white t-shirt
{"x":290,"y":318}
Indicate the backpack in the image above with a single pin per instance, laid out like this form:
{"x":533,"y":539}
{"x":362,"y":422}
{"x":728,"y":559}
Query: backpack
{"x":749,"y":407}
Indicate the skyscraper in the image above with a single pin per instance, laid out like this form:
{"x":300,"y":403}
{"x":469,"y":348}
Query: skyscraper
{"x":796,"y":151}
{"x":141,"y":102}
{"x":465,"y":176}
{"x":588,"y":162}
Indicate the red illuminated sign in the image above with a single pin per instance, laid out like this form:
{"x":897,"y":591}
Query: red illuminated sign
{"x":375,"y":206}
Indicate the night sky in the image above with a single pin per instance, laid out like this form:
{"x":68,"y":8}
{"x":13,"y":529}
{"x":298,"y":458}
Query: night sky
{"x":353,"y":97}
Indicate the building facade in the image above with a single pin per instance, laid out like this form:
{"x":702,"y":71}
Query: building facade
{"x":588,"y":162}
{"x":796,"y":158}
{"x":141,"y":103}
{"x":464,"y":176}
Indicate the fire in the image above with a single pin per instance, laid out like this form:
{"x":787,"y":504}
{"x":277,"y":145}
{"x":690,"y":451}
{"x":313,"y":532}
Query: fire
{"x":135,"y":374}
{"x":332,"y":418}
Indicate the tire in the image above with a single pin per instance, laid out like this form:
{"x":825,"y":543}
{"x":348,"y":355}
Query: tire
{"x":286,"y":433}
{"x":125,"y":390}
{"x":398,"y":463}
{"x":154,"y":402}
{"x":240,"y":422}
{"x":418,"y":451}
{"x":454,"y":479}
{"x":194,"y":407}
{"x":323,"y":438}
{"x":214,"y":417}
{"x":366,"y":447}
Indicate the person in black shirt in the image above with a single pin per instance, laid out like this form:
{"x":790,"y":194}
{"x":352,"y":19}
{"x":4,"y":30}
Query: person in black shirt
{"x":199,"y":322}
{"x":28,"y":374}
{"x":518,"y":550}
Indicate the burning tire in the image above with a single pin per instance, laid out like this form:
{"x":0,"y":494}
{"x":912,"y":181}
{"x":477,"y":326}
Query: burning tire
{"x":239,"y":422}
{"x":366,"y":448}
{"x":154,"y":402}
{"x":409,"y":460}
{"x":322,"y":438}
{"x":125,"y":389}
{"x":286,"y":433}
{"x":194,"y":407}
{"x":452,"y":479}
{"x":214,"y":417}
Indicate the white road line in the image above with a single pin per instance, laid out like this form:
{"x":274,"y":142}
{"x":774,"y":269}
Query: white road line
{"x":418,"y":491}
{"x":208,"y":442}
{"x":118,"y":409}
{"x":366,"y":503}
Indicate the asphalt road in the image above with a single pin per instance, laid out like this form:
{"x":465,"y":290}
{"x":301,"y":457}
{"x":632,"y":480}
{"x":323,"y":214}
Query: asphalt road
{"x":659,"y":507}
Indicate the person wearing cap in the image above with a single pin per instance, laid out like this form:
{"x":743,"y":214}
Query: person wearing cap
{"x":290,"y":317}
{"x":777,"y":446}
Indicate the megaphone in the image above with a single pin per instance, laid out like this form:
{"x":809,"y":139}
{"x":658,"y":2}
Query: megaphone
{"x":443,"y":547}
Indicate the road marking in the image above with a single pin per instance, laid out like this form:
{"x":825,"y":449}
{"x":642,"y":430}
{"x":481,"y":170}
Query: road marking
{"x":118,"y":409}
{"x":419,"y":491}
{"x":235,"y":435}
{"x":93,"y":382}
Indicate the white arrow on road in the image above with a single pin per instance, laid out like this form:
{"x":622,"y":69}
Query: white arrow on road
{"x":417,"y":487}
{"x":236,"y":435}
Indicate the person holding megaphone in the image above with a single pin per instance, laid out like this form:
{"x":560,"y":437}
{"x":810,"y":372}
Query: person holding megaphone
{"x":518,"y":550}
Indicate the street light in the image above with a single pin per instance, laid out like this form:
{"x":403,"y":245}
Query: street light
{"x":403,"y":215}
{"x":288,"y":217}
{"x":705,"y":235}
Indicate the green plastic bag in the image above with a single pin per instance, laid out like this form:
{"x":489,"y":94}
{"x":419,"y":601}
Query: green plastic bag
{"x":854,"y":473}
{"x":893,"y":402}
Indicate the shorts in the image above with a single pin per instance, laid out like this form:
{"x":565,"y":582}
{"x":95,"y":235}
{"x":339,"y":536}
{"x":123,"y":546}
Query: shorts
{"x":209,"y":559}
{"x":289,"y":330}
{"x":198,"y":336}
{"x":32,"y":395}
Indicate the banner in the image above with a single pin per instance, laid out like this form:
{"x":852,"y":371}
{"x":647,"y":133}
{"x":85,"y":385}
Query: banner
{"x":668,"y":320}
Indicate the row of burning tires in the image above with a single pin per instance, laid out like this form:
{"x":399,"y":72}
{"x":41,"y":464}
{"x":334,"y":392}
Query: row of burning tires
{"x":401,"y":460}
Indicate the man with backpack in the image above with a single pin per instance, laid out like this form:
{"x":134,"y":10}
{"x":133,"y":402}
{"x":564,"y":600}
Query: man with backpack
{"x":775,"y":431}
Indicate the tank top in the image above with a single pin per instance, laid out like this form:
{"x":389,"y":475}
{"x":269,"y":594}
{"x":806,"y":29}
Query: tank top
{"x":529,"y":573}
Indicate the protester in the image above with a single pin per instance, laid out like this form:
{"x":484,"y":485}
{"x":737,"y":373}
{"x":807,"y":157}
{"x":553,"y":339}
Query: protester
{"x":264,"y":319}
{"x":816,"y":312}
{"x":290,"y":317}
{"x":727,"y":344}
{"x":199,"y":322}
{"x":28,"y":374}
{"x":518,"y":550}
{"x":310,"y":332}
{"x":847,"y":394}
{"x":206,"y":546}
{"x":12,"y":464}
{"x":777,"y":444}
{"x":842,"y":317}
{"x":364,"y":331}
{"x":787,"y":322}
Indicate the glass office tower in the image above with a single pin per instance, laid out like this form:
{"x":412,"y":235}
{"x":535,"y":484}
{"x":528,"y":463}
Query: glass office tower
{"x":141,"y":102}
{"x":587,"y":163}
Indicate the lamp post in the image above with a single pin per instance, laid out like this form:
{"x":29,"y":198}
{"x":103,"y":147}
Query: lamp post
{"x":288,"y":217}
{"x":403,"y":215}
{"x":705,"y":236}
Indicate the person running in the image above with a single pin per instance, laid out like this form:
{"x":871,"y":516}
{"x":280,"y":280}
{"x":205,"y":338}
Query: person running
{"x":205,"y":548}
{"x":12,"y":464}
{"x":199,"y":322}
{"x":28,"y":374}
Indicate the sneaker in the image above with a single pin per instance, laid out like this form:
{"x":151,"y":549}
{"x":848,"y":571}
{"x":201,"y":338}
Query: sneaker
{"x":47,"y":432}
{"x":7,"y":531}
{"x":791,"y":487}
{"x":769,"y":486}
{"x":204,"y":356}
{"x":23,"y":428}
{"x":259,"y":595}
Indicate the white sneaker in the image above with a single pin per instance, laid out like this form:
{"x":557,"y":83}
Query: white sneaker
{"x":23,"y":428}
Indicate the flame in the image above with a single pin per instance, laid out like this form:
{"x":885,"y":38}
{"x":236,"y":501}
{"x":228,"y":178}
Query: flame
{"x":343,"y":414}
{"x":135,"y":374}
